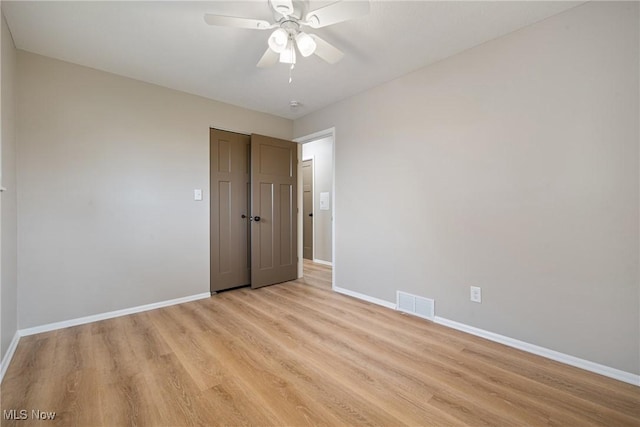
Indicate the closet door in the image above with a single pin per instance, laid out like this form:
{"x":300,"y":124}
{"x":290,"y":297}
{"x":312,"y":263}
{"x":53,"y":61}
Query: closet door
{"x":229,"y":186}
{"x":274,"y":210}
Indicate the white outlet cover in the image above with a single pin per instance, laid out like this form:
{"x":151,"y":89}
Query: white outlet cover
{"x":197,"y":194}
{"x":476,"y":294}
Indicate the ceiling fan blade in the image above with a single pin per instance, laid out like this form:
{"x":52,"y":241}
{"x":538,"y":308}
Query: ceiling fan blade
{"x":327,"y":51}
{"x":232,"y":21}
{"x":336,"y":12}
{"x":268,"y":59}
{"x":283,"y":7}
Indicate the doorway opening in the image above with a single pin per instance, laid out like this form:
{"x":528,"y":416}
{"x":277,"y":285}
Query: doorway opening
{"x":316,"y":234}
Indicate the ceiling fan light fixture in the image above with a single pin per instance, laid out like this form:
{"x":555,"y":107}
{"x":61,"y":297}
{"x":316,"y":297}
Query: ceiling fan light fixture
{"x":288,"y":55}
{"x":288,"y":20}
{"x":306,"y":44}
{"x":278,"y":40}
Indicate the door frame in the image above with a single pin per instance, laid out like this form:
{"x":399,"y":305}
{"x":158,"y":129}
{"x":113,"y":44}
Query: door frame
{"x":331,"y":132}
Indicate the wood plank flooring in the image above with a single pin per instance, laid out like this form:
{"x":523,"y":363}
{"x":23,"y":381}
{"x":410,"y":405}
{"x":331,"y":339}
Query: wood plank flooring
{"x":297,"y":354}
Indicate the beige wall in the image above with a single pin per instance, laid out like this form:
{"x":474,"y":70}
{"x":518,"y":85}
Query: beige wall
{"x":106,"y":171}
{"x":513,"y":166}
{"x":8,"y":231}
{"x":321,"y":151}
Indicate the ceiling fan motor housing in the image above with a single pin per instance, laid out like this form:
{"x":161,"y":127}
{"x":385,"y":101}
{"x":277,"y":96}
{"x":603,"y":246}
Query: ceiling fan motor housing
{"x":290,"y":26}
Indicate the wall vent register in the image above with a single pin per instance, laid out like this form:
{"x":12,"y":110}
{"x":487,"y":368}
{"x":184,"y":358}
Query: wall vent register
{"x":416,"y":305}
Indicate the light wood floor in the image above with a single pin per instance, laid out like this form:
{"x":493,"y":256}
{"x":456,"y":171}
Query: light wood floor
{"x":298,"y":354}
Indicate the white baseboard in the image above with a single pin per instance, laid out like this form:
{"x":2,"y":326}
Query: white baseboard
{"x":6,"y":360}
{"x":587,"y":365}
{"x":109,"y":315}
{"x":365,"y":297}
{"x":323,"y":262}
{"x":567,"y":359}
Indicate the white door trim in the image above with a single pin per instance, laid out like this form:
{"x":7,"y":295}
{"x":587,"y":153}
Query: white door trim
{"x":331,"y":132}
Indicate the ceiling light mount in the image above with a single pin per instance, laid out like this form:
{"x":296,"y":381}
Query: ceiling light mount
{"x":294,"y":105}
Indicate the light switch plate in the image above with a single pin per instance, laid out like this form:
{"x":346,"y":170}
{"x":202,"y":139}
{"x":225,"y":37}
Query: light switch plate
{"x":324,"y":201}
{"x":197,"y":194}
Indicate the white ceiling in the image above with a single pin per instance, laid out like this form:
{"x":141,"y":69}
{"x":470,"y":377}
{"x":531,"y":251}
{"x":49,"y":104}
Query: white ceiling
{"x":169,"y":44}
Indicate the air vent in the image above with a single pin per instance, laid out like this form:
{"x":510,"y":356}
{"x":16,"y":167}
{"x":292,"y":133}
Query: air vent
{"x":413,"y":304}
{"x":406,"y":302}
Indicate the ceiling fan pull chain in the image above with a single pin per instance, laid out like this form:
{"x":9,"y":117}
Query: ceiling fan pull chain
{"x":291,"y":73}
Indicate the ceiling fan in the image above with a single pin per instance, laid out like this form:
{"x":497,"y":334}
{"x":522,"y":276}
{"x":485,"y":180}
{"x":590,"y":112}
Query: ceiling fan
{"x":290,"y":18}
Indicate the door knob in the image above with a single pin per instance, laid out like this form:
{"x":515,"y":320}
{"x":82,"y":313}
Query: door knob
{"x":256,"y":218}
{"x":243,"y":216}
{"x":310,"y":214}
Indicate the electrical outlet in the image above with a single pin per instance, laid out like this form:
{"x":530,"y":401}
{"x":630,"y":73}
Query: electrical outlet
{"x":476,"y":294}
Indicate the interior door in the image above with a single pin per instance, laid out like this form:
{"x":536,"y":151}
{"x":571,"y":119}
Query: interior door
{"x":274,"y":210}
{"x":229,"y":184}
{"x":307,"y":209}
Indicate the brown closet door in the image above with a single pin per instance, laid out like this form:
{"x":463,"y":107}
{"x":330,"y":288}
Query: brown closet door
{"x":229,"y":184}
{"x":274,"y":204}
